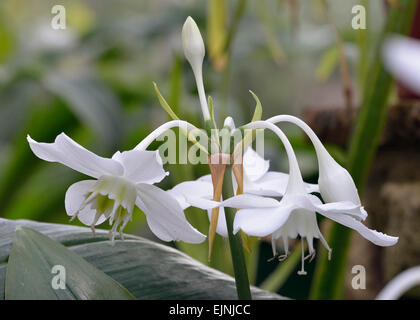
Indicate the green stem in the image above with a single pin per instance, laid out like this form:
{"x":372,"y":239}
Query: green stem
{"x":235,"y":242}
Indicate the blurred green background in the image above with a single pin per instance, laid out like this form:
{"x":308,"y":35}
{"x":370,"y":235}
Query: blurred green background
{"x":93,"y":81}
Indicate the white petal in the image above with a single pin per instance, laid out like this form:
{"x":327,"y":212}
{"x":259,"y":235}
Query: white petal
{"x":262,"y":221}
{"x":74,"y":198}
{"x":374,"y":236}
{"x":402,"y":58}
{"x":165,"y":216}
{"x":335,"y":182}
{"x":202,"y":203}
{"x":221,"y":228}
{"x":66,"y":151}
{"x":141,"y":166}
{"x":273,"y":184}
{"x":246,"y":201}
{"x":206,"y":178}
{"x":194,"y":193}
{"x":254,"y":165}
{"x":343,"y":207}
{"x":313,"y":203}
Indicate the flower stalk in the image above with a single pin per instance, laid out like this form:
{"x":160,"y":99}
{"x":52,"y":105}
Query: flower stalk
{"x":235,"y":241}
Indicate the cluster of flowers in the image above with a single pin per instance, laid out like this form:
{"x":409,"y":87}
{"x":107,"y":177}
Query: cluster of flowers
{"x":271,"y":203}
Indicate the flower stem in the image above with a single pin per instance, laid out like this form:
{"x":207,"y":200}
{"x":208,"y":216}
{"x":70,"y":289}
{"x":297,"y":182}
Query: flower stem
{"x":235,"y":242}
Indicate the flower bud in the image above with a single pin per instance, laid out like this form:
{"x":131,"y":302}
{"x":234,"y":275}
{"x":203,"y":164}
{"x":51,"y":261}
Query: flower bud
{"x":193,"y":44}
{"x":194,"y":52}
{"x":229,"y":123}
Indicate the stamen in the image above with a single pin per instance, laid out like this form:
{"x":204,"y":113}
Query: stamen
{"x":284,"y":256}
{"x":92,"y":227}
{"x":286,"y":245}
{"x":324,"y":242}
{"x":273,"y":246}
{"x":310,"y":256}
{"x":302,"y":271}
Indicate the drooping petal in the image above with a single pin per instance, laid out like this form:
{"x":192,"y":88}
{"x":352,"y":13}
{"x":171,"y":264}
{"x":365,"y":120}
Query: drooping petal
{"x":75,"y":196}
{"x":254,"y":165}
{"x":246,"y":201}
{"x":141,"y":166}
{"x":374,"y":236}
{"x":165,"y":216}
{"x":66,"y":151}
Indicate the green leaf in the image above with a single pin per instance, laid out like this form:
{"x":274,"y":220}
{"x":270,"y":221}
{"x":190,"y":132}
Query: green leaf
{"x":29,"y":273}
{"x":250,"y":136}
{"x":258,"y":108}
{"x":147,"y":269}
{"x":164,"y":104}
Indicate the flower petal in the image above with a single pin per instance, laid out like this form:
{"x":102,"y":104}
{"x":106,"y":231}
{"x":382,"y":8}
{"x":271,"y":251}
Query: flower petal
{"x":74,"y":198}
{"x":313,"y":203}
{"x":254,"y":165}
{"x":194,"y":193}
{"x":141,"y":166}
{"x":247,"y":201}
{"x":261,"y":222}
{"x":221,"y":227}
{"x":343,"y":207}
{"x":272,"y":184}
{"x":66,"y":151}
{"x":206,"y":178}
{"x":165,"y":216}
{"x":374,"y":236}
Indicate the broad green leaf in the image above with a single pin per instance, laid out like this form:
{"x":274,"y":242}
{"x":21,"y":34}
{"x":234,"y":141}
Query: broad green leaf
{"x":147,"y":269}
{"x":30,"y":273}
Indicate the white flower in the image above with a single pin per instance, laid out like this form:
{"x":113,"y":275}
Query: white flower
{"x":120,"y":183}
{"x":294,"y":214}
{"x":401,"y":56}
{"x":257,"y":180}
{"x":335,"y":182}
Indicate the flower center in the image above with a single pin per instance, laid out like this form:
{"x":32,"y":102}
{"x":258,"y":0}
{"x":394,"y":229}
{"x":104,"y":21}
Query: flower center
{"x":114,"y":197}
